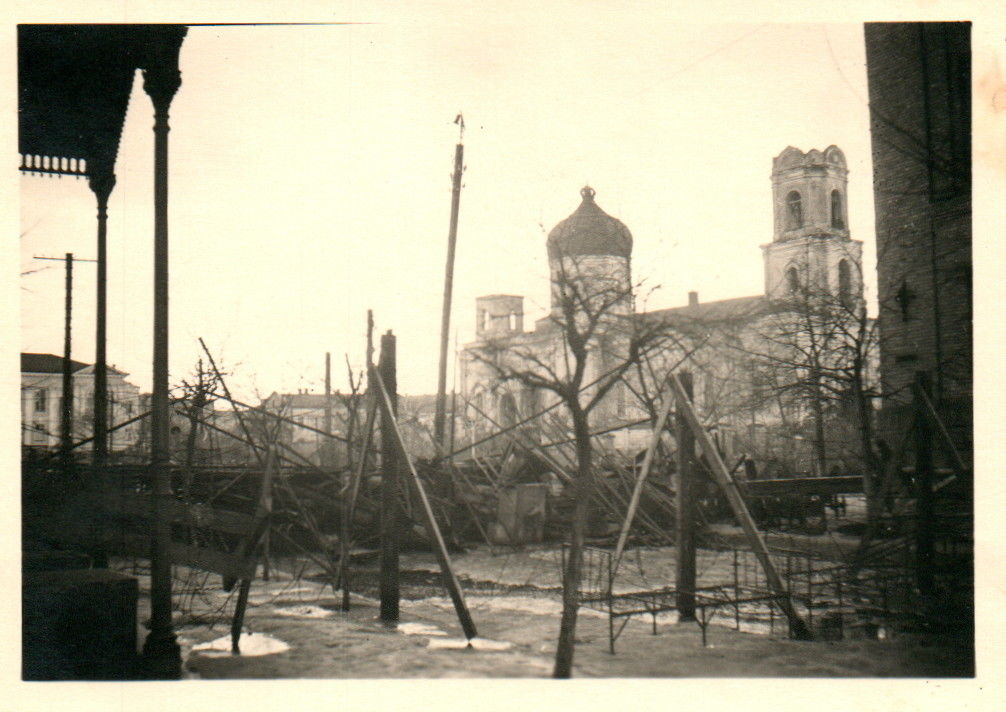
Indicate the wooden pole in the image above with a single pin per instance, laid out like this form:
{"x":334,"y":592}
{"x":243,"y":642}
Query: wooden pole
{"x":259,"y":532}
{"x":326,"y":451}
{"x":439,"y":433}
{"x":66,"y":412}
{"x":685,"y":517}
{"x":798,"y":629}
{"x":161,"y":648}
{"x":924,"y":504}
{"x":637,"y":490}
{"x":350,"y":493}
{"x":390,"y":483}
{"x":349,"y":496}
{"x":432,"y":530}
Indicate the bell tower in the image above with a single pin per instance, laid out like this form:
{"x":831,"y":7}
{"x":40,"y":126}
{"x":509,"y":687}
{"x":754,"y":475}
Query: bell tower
{"x":811,"y":251}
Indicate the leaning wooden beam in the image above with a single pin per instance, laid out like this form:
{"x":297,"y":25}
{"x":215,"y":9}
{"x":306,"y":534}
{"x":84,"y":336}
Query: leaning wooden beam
{"x":113,"y":428}
{"x":249,"y":547}
{"x":528,"y":419}
{"x":433,"y":531}
{"x":637,"y":490}
{"x":349,"y":505}
{"x":722,"y":476}
{"x":531,"y":448}
{"x":278,"y":417}
{"x":956,"y":461}
{"x":886,"y":484}
{"x":227,"y":392}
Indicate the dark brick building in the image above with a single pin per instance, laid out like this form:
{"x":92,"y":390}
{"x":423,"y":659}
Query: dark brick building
{"x":920,"y":112}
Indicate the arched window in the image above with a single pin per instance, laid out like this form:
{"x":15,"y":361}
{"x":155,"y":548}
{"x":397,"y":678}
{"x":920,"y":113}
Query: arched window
{"x":508,"y":410}
{"x":836,"y":210}
{"x":486,"y":321}
{"x":794,"y":211}
{"x":844,"y":283}
{"x":513,"y":322}
{"x":793,"y":280}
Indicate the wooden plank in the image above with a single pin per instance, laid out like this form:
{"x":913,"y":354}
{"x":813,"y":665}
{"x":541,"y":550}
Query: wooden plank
{"x":956,"y":461}
{"x":845,"y":484}
{"x":644,"y":472}
{"x":722,"y":476}
{"x":432,"y":530}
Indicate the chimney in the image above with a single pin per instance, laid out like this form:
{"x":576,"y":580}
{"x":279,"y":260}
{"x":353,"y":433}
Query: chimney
{"x":693,"y":299}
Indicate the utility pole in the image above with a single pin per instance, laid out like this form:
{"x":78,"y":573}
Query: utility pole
{"x":390,"y":482}
{"x":685,"y":519}
{"x":326,"y":448}
{"x":66,"y":412}
{"x":445,"y":320}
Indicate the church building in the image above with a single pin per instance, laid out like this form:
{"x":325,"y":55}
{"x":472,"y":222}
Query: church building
{"x":754,"y":360}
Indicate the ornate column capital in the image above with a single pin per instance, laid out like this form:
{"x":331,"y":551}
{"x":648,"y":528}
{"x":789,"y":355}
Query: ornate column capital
{"x":101,"y":183}
{"x":161,"y":83}
{"x":161,"y":77}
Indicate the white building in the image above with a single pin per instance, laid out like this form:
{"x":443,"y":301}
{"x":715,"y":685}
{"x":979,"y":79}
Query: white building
{"x":42,"y":397}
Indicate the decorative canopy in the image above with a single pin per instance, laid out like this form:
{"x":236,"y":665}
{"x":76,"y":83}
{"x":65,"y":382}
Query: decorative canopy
{"x":74,"y":83}
{"x":589,"y":231}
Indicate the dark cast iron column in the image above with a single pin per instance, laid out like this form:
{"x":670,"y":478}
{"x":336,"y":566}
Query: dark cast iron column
{"x":101,"y":183}
{"x":161,"y":649}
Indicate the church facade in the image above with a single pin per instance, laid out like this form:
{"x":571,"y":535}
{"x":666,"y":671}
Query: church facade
{"x":775,"y":374}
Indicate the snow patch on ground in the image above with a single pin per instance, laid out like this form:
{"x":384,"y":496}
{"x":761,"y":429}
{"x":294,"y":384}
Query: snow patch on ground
{"x":304,"y":612}
{"x":419,"y":629}
{"x":251,"y":644}
{"x":518,"y":604}
{"x":266,"y":596}
{"x":462,"y":643}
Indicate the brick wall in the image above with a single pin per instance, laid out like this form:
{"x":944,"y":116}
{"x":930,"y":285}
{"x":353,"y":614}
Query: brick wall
{"x":919,"y":85}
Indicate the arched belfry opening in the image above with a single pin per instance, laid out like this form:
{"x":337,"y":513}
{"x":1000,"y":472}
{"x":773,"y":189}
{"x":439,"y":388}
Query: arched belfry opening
{"x":844,"y":282}
{"x":810,"y":225}
{"x":794,"y":210}
{"x":793,"y":280}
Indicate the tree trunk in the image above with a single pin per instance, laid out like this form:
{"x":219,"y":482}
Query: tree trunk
{"x":820,"y":448}
{"x":874,"y":468}
{"x":574,"y":562}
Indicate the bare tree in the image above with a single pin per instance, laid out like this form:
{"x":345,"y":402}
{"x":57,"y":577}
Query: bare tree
{"x":813,"y":358}
{"x":597,"y":340}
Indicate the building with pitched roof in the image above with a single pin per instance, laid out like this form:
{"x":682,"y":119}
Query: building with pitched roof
{"x":754,"y":360}
{"x":42,"y":396}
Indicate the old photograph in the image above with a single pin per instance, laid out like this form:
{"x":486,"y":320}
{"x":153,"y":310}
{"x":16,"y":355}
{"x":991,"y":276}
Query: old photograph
{"x":561,"y":342}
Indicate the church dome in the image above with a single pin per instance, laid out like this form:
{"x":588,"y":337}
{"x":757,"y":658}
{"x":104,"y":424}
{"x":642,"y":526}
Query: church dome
{"x":589,"y":231}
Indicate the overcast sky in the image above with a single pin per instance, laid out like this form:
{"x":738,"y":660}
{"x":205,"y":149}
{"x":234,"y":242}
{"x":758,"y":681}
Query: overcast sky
{"x":310,"y":179}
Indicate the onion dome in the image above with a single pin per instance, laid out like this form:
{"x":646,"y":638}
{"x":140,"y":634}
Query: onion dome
{"x":589,"y":231}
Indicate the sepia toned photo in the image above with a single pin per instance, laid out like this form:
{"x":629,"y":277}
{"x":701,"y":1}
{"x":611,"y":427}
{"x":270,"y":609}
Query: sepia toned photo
{"x":580,"y":344}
